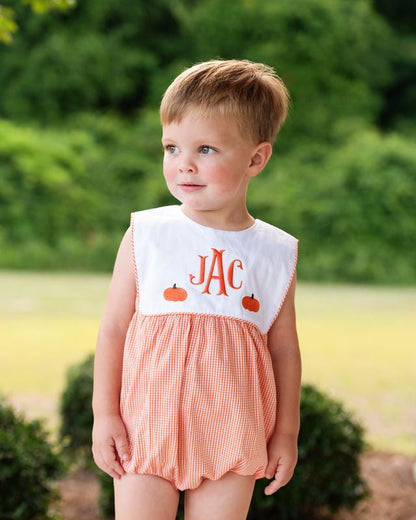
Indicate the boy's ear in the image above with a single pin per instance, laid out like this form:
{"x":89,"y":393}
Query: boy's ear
{"x":260,"y":158}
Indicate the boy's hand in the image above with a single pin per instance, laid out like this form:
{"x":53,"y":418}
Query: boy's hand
{"x":283,"y":455}
{"x":110,"y":445}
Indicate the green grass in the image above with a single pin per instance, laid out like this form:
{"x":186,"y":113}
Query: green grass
{"x":358,"y":344}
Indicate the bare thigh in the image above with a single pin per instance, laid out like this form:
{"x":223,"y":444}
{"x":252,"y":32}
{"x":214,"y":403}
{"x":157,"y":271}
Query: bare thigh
{"x":145,"y":497}
{"x":227,"y":498}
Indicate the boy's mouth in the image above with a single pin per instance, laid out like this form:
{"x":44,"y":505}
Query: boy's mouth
{"x":190,"y":186}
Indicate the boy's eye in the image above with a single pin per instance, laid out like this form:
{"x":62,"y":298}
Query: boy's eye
{"x":206,"y":149}
{"x":170,"y":148}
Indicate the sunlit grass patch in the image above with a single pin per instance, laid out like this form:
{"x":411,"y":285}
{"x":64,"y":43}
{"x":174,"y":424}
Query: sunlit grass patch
{"x":358,"y":343}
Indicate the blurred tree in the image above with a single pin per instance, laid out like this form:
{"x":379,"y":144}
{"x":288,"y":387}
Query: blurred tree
{"x":99,"y":55}
{"x":121,"y":55}
{"x":87,"y":73}
{"x":399,"y":108}
{"x":333,"y":55}
{"x":401,"y":13}
{"x":8,"y":25}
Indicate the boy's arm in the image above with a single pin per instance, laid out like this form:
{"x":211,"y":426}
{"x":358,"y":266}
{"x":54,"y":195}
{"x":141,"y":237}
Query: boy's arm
{"x":284,"y":350}
{"x":109,"y":435}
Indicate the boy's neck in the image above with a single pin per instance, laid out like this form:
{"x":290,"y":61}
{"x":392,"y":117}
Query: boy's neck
{"x":231,"y":222}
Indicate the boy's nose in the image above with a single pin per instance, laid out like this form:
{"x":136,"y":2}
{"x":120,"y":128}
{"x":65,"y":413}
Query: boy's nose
{"x":187,"y":167}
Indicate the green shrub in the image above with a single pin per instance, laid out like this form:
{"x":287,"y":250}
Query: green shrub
{"x":28,"y":465}
{"x":76,"y":412}
{"x":79,"y":185}
{"x":352,"y":207}
{"x":76,"y":427}
{"x":106,"y":499}
{"x":327,"y":476}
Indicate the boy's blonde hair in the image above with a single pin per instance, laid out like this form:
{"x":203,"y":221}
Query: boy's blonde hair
{"x":250,"y":93}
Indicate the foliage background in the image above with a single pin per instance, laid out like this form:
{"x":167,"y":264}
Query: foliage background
{"x":80,"y":137}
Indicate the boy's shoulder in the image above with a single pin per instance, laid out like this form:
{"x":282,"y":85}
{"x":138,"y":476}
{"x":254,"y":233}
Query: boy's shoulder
{"x":269,"y":232}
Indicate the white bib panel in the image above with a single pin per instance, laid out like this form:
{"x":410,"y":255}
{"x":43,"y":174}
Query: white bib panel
{"x":185,"y":267}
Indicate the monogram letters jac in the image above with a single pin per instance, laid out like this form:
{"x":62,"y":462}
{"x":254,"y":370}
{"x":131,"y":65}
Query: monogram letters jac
{"x":216,"y":272}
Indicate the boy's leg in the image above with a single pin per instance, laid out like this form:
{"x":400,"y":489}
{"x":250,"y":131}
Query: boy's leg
{"x":145,"y":497}
{"x":227,"y":498}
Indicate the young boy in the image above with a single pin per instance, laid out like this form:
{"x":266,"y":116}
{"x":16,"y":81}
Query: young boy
{"x":197,"y":370}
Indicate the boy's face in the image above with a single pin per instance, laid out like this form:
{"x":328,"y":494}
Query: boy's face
{"x":207,"y":165}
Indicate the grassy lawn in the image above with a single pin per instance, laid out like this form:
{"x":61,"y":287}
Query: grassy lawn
{"x":358,"y":344}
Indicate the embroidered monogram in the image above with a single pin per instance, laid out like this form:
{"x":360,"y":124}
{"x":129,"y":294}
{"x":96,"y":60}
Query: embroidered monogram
{"x":218,"y":267}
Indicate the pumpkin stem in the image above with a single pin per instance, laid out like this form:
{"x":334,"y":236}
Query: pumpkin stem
{"x":252,"y":296}
{"x":174,"y":285}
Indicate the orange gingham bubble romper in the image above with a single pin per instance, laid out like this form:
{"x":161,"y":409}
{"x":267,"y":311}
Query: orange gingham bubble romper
{"x":198,"y":395}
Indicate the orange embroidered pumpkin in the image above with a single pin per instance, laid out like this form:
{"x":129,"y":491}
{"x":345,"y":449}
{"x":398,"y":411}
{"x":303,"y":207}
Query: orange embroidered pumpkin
{"x":250,"y":303}
{"x":175,"y":294}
